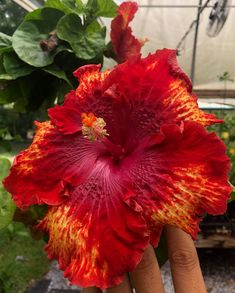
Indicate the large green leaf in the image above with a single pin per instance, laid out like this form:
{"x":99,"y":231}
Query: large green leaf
{"x":97,"y":8}
{"x":16,"y":67}
{"x":37,"y":90}
{"x":28,"y":36}
{"x":67,"y":6}
{"x":7,"y":206}
{"x":45,"y":13}
{"x":53,"y":69}
{"x":5,"y":43}
{"x":86,"y":41}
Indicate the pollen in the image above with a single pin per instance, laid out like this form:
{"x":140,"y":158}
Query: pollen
{"x":93,"y":127}
{"x":88,"y":119}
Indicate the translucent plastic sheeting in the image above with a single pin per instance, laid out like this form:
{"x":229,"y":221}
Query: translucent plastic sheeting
{"x":165,"y":26}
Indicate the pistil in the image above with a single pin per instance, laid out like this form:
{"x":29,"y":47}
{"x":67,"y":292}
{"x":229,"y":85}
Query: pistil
{"x":93,"y":128}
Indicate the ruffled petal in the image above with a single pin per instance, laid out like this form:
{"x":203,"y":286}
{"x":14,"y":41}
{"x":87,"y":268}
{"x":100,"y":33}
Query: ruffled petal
{"x":124,"y":44}
{"x":88,"y":97}
{"x":90,"y":81}
{"x":41,"y":173}
{"x":67,"y":118}
{"x":96,"y":237}
{"x":181,"y":177}
{"x":157,"y":90}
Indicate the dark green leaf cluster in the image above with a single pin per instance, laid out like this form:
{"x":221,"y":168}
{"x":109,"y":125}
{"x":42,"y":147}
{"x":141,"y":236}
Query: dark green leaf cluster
{"x":37,"y":62}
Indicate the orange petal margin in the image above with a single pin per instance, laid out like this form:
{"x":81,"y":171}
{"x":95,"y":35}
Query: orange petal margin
{"x":95,"y":247}
{"x":182,"y":177}
{"x":24,"y":183}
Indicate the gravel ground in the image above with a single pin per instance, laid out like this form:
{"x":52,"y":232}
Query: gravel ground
{"x":218,"y":268}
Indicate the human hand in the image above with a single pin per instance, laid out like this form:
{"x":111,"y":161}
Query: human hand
{"x":185,"y":268}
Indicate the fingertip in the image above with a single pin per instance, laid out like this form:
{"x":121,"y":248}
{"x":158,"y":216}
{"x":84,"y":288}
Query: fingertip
{"x":147,"y":276}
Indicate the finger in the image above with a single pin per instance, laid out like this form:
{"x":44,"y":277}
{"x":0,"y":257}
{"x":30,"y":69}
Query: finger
{"x":91,"y":290}
{"x":124,"y":287}
{"x":185,"y":267}
{"x":147,"y":277}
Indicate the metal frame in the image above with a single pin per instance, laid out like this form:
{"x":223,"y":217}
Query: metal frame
{"x":177,"y":6}
{"x":26,"y":4}
{"x":29,"y":6}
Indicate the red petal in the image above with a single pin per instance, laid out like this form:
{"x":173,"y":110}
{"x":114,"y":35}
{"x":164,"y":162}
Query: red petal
{"x":96,"y":237}
{"x":181,"y":177}
{"x":158,"y":89}
{"x":90,"y":81}
{"x":66,"y":119}
{"x":41,"y":173}
{"x":125,"y":45}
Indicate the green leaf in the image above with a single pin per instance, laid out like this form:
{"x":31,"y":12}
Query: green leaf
{"x":5,"y":166}
{"x":87,"y":42}
{"x":97,"y":8}
{"x":16,"y":67}
{"x":36,"y":90}
{"x":5,"y":42}
{"x":62,"y":90}
{"x":7,"y":206}
{"x":161,"y":251}
{"x":56,"y":71}
{"x":3,"y":74}
{"x":67,"y":6}
{"x":29,"y":35}
{"x":44,"y":13}
{"x":9,"y":92}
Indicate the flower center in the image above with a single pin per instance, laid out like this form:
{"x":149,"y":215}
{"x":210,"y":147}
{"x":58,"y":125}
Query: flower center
{"x":93,"y":127}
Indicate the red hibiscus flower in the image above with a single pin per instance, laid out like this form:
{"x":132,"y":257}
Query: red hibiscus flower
{"x":125,"y":154}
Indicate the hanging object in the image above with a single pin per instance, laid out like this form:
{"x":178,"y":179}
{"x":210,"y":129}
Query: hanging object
{"x":218,"y":17}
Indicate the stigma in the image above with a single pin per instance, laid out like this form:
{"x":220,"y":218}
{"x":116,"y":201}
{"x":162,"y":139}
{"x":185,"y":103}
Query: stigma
{"x":93,"y":127}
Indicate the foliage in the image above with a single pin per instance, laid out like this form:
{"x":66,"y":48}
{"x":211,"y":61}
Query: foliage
{"x":226,"y":131}
{"x":11,"y":15}
{"x":51,"y":42}
{"x":7,"y":206}
{"x":22,"y":259}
